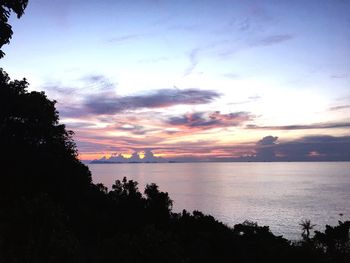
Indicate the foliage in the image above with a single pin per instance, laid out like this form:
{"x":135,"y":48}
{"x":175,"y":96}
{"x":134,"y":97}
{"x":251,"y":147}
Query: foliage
{"x":39,"y":152}
{"x":6,"y":6}
{"x":335,"y":241}
{"x":306,"y":227}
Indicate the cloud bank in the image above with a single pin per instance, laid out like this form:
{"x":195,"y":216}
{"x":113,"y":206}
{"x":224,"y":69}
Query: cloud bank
{"x":209,"y":120}
{"x":330,"y":125}
{"x":308,"y":148}
{"x":157,"y":99}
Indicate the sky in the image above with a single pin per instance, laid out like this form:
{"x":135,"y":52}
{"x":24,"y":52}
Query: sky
{"x":192,"y":80}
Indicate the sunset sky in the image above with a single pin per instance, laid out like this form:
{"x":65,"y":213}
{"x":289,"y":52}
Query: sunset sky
{"x":192,"y":80}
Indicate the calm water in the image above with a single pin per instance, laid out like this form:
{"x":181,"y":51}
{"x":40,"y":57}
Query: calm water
{"x":274,"y":194}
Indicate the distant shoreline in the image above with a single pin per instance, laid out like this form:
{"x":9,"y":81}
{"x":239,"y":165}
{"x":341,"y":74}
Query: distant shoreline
{"x":170,"y":162}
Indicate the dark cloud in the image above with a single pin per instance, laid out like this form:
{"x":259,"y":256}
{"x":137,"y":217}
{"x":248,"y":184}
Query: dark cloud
{"x":303,"y":127}
{"x":323,"y":139}
{"x":325,"y":148}
{"x":209,"y":120}
{"x":265,"y":150}
{"x":268,"y":140}
{"x":158,"y":99}
{"x":71,"y":112}
{"x":308,"y":148}
{"x":340,"y":107}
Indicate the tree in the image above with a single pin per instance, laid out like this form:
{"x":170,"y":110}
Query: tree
{"x":6,"y":7}
{"x":158,"y":203}
{"x":306,"y":226}
{"x":335,"y":240}
{"x":39,"y":153}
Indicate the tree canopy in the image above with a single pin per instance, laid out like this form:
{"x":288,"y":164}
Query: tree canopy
{"x":34,"y":143}
{"x":6,"y":7}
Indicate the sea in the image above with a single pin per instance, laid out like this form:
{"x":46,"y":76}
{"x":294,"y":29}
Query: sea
{"x":275,"y":194}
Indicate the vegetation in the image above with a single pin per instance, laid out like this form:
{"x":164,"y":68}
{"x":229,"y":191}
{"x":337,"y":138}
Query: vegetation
{"x":52,"y":212}
{"x":6,"y":6}
{"x":306,"y":227}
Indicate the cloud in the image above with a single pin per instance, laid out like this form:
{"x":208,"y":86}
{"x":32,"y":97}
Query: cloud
{"x":88,"y":85}
{"x":193,"y":57}
{"x":272,"y":40}
{"x":133,"y":128}
{"x":122,"y":39}
{"x":249,"y":100}
{"x":254,"y":19}
{"x":93,"y":78}
{"x":323,"y":139}
{"x":98,"y":84}
{"x":340,"y":107}
{"x":268,"y":140}
{"x":231,"y":75}
{"x":326,"y":148}
{"x":148,"y":156}
{"x":79,"y":125}
{"x":331,"y":125}
{"x":59,"y":90}
{"x":308,"y":148}
{"x":105,"y":143}
{"x":255,"y":97}
{"x":153,"y":60}
{"x":157,"y":99}
{"x":185,"y":27}
{"x":210,"y":120}
{"x":339,"y":76}
{"x":269,"y":148}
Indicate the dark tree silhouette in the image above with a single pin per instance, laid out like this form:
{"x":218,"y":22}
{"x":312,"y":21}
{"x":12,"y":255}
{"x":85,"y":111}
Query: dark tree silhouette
{"x":335,"y":240}
{"x":158,"y":204}
{"x":40,"y":155}
{"x":6,"y":7}
{"x":306,"y":227}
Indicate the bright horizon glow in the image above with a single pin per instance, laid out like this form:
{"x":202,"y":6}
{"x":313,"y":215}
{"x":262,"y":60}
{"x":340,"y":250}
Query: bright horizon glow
{"x":204,"y":80}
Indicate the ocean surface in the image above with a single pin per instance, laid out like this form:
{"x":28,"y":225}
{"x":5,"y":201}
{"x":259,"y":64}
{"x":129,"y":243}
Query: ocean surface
{"x":279,"y":195}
